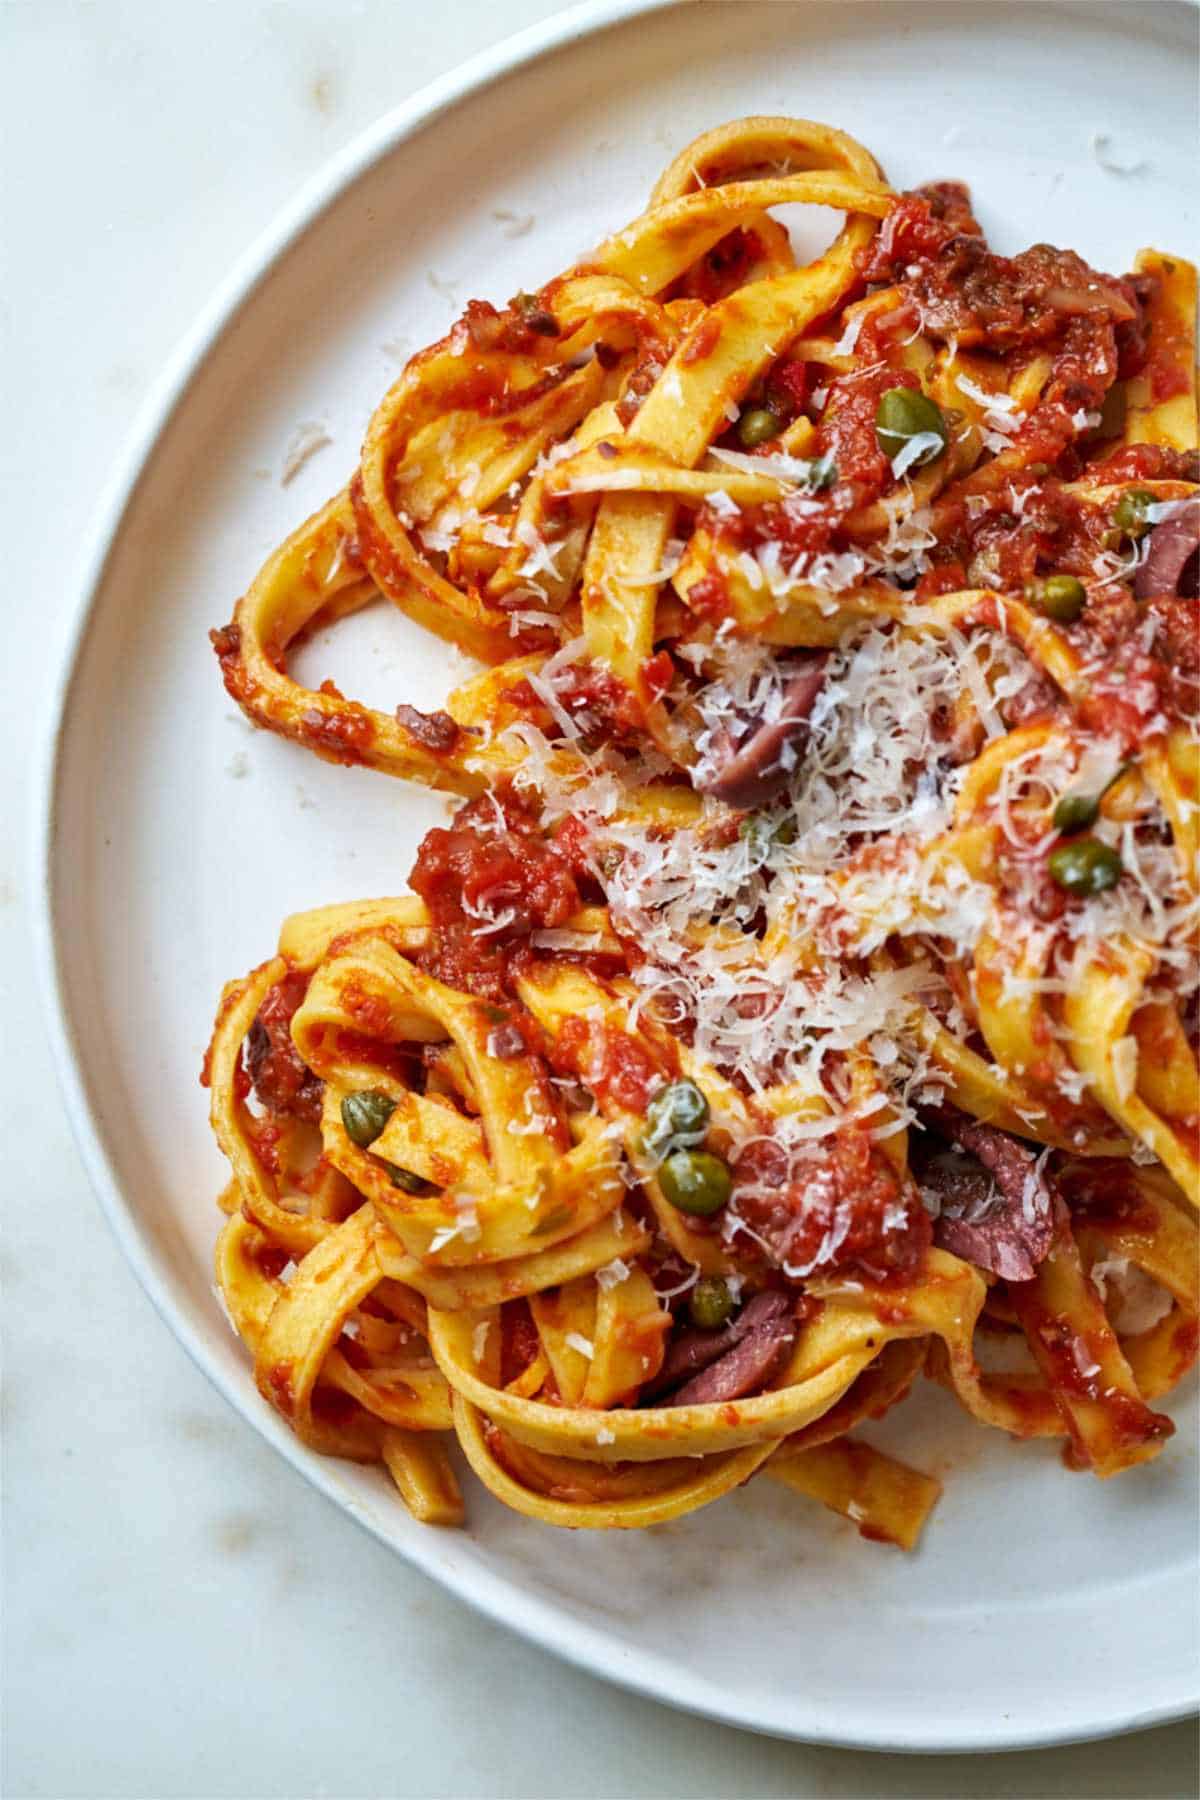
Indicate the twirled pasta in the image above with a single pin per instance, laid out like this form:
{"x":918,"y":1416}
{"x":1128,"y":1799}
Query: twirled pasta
{"x":831,"y":837}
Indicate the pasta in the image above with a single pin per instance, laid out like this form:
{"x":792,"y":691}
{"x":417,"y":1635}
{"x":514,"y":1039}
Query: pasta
{"x":801,"y":999}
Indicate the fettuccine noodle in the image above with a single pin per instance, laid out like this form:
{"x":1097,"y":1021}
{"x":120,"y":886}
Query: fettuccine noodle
{"x":802,"y":998}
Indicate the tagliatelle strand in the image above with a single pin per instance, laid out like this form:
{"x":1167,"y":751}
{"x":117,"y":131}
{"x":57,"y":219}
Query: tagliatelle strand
{"x":803,"y":1000}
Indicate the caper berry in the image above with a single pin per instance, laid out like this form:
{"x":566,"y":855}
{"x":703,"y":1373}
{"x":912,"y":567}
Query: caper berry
{"x":758,"y":426}
{"x":760,"y":833}
{"x":696,"y":1182}
{"x":1076,"y":812}
{"x":404,"y":1178}
{"x":822,"y":473}
{"x":1129,"y":514}
{"x":756,"y":834}
{"x":710,"y":1303}
{"x":1085,"y":866}
{"x":1060,"y":597}
{"x":678,"y":1111}
{"x":365,"y":1114}
{"x":905,"y":413}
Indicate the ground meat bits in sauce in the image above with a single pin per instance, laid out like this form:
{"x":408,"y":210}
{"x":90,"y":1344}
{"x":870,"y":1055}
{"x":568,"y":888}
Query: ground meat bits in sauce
{"x":932,"y":246}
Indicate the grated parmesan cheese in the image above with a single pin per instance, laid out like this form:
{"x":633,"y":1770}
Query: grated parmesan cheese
{"x":1125,"y":1067}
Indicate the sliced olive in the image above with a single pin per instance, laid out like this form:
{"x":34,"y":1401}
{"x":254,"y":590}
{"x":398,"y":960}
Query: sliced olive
{"x":1129,"y":514}
{"x":678,"y":1111}
{"x":758,"y":426}
{"x":365,"y":1114}
{"x":1085,"y":866}
{"x":1060,"y":597}
{"x":404,"y":1178}
{"x":1112,"y":413}
{"x":695,"y":1181}
{"x":710,"y":1303}
{"x":905,"y":413}
{"x":1076,"y":812}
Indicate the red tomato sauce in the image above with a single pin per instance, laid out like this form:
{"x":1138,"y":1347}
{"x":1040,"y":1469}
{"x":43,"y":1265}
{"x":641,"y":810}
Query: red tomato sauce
{"x":847,"y":431}
{"x":519,"y":1340}
{"x":487,"y":886}
{"x":798,"y":1202}
{"x":724,"y":269}
{"x":600,"y":703}
{"x":613,"y":1065}
{"x":343,"y":736}
{"x":283,"y":1083}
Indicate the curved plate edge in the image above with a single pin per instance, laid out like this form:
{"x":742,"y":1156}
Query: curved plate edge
{"x":586,"y":1648}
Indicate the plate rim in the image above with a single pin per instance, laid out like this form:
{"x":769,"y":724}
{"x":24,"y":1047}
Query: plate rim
{"x":541,"y":1622}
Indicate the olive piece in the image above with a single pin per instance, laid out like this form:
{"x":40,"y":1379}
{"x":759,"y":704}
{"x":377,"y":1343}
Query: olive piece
{"x":905,"y":413}
{"x":710,"y":1303}
{"x":404,"y":1178}
{"x":1112,"y":412}
{"x":696,"y":1182}
{"x":1076,"y":812}
{"x":677,"y":1111}
{"x":1129,"y":514}
{"x":758,"y":426}
{"x":365,"y":1114}
{"x":1085,"y":866}
{"x":1060,"y":597}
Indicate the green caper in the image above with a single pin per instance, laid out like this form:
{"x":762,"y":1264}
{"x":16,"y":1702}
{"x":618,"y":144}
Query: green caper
{"x":1129,"y":514}
{"x":1060,"y":597}
{"x":758,"y":426}
{"x":1085,"y":866}
{"x":695,"y":1181}
{"x":1076,"y":812}
{"x":365,"y":1114}
{"x":756,"y":834}
{"x":676,"y":1112}
{"x":710,"y":1303}
{"x":757,"y":830}
{"x":405,"y":1179}
{"x":906,"y":413}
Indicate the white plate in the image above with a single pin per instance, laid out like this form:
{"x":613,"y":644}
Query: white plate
{"x":1043,"y":1606}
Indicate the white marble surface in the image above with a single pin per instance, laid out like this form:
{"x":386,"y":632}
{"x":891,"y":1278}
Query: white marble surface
{"x":183,"y":1616}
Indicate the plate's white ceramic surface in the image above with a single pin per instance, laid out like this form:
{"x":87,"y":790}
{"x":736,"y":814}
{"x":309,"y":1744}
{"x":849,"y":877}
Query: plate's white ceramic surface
{"x":1042,"y":1606}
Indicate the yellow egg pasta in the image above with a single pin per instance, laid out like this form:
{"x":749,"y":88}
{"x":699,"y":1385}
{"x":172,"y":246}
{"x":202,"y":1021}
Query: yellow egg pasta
{"x":801,"y":1002}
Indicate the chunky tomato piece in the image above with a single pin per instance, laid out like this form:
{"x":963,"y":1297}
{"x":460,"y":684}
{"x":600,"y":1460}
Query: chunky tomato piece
{"x":830,"y":1202}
